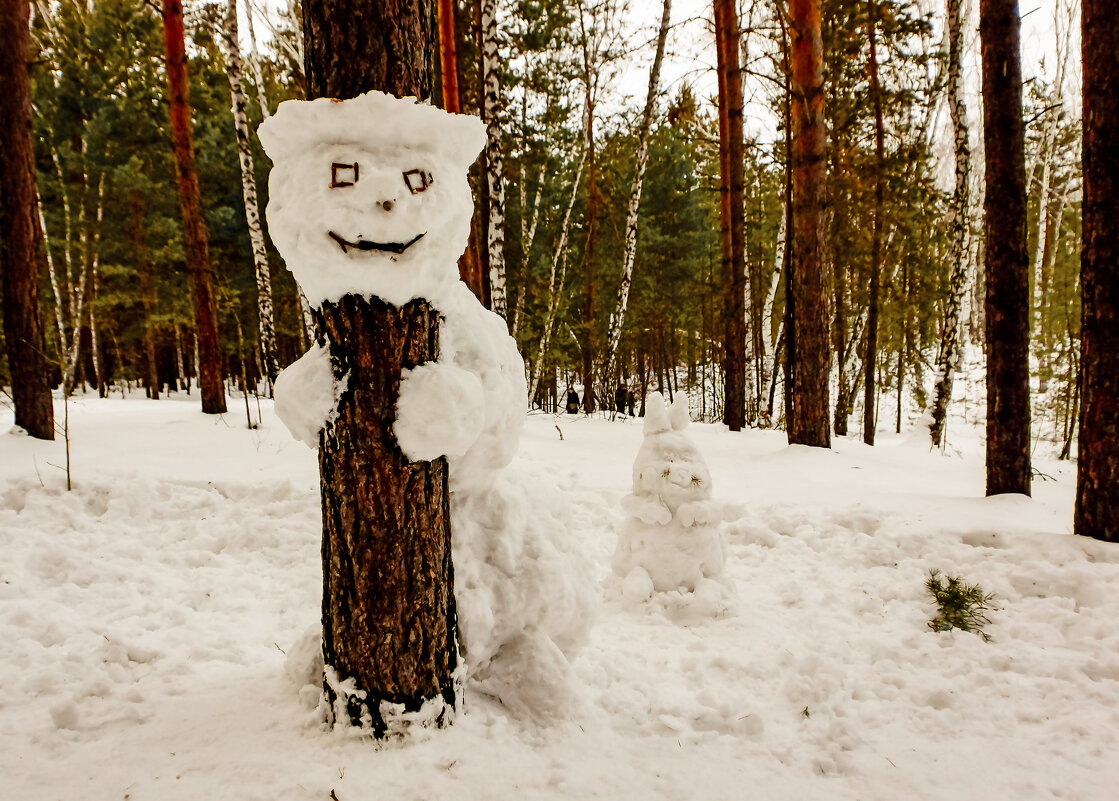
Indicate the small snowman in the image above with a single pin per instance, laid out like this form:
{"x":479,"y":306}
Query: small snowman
{"x":671,"y":539}
{"x":369,"y":196}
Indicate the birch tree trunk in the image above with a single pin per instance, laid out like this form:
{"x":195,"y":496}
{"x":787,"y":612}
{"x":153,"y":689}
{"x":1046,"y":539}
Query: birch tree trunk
{"x":265,"y":315}
{"x":617,"y":319}
{"x":555,"y":288}
{"x":948,"y":356}
{"x":495,"y":186}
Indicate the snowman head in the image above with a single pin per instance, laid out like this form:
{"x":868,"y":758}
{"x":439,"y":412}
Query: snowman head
{"x":369,"y":196}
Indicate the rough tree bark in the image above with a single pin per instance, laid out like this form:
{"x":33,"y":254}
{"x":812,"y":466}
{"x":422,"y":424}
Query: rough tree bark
{"x":1097,"y":484}
{"x":388,"y":591}
{"x":870,"y":418}
{"x":732,"y":190}
{"x":617,"y":319}
{"x":20,"y":253}
{"x":265,"y":314}
{"x":948,"y":357}
{"x":495,"y":184}
{"x":808,"y":422}
{"x":586,"y":325}
{"x":1007,"y":259}
{"x":209,"y":369}
{"x":139,"y":242}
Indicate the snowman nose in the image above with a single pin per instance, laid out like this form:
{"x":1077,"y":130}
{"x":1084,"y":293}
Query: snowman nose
{"x":387,"y":205}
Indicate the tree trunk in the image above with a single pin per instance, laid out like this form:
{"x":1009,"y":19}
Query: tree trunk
{"x":194,"y":223}
{"x":732,"y":190}
{"x":869,"y":364}
{"x":139,"y":243}
{"x":1097,"y":485}
{"x":617,"y":319}
{"x":448,"y":58}
{"x":20,"y":254}
{"x":809,"y":423}
{"x":586,"y":342}
{"x":555,"y":288}
{"x":495,"y":185}
{"x":265,"y":315}
{"x":388,"y":591}
{"x":1007,"y":259}
{"x":948,"y":357}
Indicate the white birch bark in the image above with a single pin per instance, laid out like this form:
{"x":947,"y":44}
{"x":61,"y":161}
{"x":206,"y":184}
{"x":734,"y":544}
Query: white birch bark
{"x":495,"y":236}
{"x":528,"y":236}
{"x":948,"y":356}
{"x":63,"y":347}
{"x":769,"y":353}
{"x":265,"y":313}
{"x":180,"y":377}
{"x":617,"y":319}
{"x":559,"y":259}
{"x":254,"y":64}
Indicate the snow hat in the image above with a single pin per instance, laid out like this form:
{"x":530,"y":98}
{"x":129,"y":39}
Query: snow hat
{"x":401,"y":121}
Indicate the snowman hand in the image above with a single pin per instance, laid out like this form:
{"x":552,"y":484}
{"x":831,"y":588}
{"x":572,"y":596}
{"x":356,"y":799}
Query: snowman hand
{"x":306,"y":395}
{"x":440,"y":412}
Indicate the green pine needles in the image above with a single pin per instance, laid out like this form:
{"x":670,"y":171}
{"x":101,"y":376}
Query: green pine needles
{"x":960,"y":606}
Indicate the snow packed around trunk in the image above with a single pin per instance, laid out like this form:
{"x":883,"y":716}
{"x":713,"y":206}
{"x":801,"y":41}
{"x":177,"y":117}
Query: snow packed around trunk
{"x":153,"y":623}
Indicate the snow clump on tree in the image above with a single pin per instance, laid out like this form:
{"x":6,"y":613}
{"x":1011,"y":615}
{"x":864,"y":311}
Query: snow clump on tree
{"x":671,"y":538}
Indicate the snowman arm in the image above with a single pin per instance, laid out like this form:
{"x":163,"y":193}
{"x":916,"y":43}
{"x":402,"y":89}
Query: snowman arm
{"x":306,"y":394}
{"x":440,"y":412}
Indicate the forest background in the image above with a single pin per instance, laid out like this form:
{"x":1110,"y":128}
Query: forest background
{"x":115,"y":297}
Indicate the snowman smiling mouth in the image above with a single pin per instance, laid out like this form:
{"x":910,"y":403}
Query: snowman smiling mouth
{"x":365,"y":244}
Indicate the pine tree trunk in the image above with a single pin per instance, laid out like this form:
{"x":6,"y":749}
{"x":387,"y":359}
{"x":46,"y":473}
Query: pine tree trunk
{"x":139,"y":243}
{"x":1097,"y":485}
{"x":586,"y":324}
{"x":948,"y":357}
{"x":388,"y":591}
{"x":265,"y":315}
{"x":732,"y":191}
{"x":201,"y":271}
{"x":20,"y":255}
{"x":495,"y":185}
{"x":869,"y":364}
{"x":617,"y":319}
{"x":1007,"y":258}
{"x":809,"y":422}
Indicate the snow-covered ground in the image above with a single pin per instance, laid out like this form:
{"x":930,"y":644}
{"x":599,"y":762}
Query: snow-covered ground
{"x":145,"y":615}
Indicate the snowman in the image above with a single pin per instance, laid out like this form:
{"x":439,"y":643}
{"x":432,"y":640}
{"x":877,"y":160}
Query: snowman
{"x":670,"y":539}
{"x":369,"y":196}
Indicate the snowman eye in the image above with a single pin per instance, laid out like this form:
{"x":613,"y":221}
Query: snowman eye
{"x":418,"y":180}
{"x":341,"y":173}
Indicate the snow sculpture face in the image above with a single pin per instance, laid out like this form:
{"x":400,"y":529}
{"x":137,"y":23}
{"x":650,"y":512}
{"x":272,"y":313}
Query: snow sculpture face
{"x":369,"y":196}
{"x":669,"y":466}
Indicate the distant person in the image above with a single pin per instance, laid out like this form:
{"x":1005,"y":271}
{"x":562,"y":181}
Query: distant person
{"x":630,"y":401}
{"x":620,"y":397}
{"x":572,"y":401}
